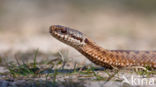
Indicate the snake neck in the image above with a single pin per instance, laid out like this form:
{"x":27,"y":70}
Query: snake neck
{"x":117,"y":58}
{"x":95,"y":53}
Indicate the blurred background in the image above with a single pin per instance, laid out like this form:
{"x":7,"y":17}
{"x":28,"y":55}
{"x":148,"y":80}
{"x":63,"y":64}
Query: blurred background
{"x":113,"y":24}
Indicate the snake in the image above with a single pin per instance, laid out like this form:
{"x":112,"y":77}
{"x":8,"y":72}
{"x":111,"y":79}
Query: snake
{"x":100,"y":56}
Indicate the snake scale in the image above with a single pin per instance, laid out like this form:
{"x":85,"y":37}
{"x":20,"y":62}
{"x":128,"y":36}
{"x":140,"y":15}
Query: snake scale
{"x":99,"y":55}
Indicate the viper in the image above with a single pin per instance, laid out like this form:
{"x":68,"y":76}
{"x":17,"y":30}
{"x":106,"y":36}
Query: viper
{"x":99,"y":55}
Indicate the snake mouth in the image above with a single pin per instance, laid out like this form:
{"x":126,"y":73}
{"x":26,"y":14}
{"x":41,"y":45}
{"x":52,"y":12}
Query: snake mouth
{"x":67,"y":35}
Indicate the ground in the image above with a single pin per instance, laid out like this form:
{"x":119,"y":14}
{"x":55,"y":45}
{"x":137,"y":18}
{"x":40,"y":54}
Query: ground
{"x":35,"y":68}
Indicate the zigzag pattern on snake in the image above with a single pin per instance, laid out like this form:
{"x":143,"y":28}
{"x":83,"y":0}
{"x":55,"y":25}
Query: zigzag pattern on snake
{"x":99,"y":55}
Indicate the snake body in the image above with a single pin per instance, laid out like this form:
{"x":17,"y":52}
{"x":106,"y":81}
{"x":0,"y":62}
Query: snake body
{"x":99,"y":55}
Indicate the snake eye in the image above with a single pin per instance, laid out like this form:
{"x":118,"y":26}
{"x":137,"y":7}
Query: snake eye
{"x":64,"y":31}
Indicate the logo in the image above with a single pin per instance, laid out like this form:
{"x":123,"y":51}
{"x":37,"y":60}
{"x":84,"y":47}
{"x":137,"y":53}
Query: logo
{"x":138,"y":81}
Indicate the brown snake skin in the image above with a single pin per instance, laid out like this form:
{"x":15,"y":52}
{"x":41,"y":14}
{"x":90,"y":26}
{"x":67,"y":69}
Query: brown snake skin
{"x":100,"y":56}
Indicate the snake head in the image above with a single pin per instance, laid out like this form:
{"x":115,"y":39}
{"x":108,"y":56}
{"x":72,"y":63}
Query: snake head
{"x":67,"y":35}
